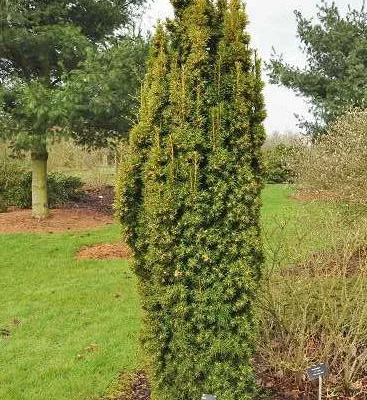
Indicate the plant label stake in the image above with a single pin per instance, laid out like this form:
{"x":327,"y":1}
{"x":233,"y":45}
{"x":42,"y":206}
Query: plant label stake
{"x":318,"y":372}
{"x":208,"y":397}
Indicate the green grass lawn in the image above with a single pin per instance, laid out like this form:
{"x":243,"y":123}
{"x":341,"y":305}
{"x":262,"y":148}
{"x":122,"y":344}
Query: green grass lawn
{"x":294,"y":229}
{"x":56,"y":307}
{"x":64,"y":306}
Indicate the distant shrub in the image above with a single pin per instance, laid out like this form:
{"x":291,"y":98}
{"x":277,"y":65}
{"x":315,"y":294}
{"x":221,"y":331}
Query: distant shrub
{"x":10,"y":171}
{"x":3,"y":206}
{"x":61,"y":189}
{"x":10,"y":174}
{"x":337,"y":162}
{"x":16,"y":183}
{"x":277,"y":164}
{"x":19,"y":192}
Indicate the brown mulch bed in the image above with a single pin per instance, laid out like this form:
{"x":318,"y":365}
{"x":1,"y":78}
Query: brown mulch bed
{"x":140,"y":388}
{"x":132,"y":386}
{"x":109,"y":251}
{"x":301,"y":388}
{"x":94,"y":210}
{"x":136,"y":387}
{"x":97,"y":199}
{"x":60,"y":220}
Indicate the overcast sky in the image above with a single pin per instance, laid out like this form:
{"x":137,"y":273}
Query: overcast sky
{"x":272,"y":24}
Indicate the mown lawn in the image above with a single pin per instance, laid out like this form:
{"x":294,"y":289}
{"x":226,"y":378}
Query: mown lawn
{"x":294,"y":229}
{"x":74,"y":324}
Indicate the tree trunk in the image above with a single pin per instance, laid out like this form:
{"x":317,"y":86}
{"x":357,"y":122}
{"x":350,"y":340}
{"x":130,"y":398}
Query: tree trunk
{"x":39,"y":183}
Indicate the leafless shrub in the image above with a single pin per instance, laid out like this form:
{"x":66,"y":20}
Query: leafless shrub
{"x":337,"y":162}
{"x":313,"y":308}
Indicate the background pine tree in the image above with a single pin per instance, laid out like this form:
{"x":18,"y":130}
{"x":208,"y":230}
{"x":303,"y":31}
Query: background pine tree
{"x":43,"y":44}
{"x":189,"y":200}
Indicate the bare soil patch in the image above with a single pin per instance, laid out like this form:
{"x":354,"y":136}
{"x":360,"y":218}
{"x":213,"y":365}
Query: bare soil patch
{"x":109,"y":251}
{"x":60,"y":220}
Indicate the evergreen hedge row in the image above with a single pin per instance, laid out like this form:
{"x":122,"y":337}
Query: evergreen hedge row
{"x":16,"y":187}
{"x":189,"y":201}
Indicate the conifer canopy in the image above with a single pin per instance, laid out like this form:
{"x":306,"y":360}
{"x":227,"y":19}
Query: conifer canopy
{"x":42,"y":44}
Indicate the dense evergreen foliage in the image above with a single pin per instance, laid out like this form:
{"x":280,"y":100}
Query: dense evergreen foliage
{"x":101,"y":96}
{"x":41,"y":42}
{"x":335,"y":77}
{"x":188,"y":197}
{"x":16,"y":186}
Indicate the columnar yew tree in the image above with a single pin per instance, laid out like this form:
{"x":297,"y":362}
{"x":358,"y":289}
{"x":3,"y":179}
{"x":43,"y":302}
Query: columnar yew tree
{"x":188,"y":197}
{"x":40,"y":43}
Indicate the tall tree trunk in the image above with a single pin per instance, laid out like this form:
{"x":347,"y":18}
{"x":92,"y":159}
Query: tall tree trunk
{"x":39,"y":182}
